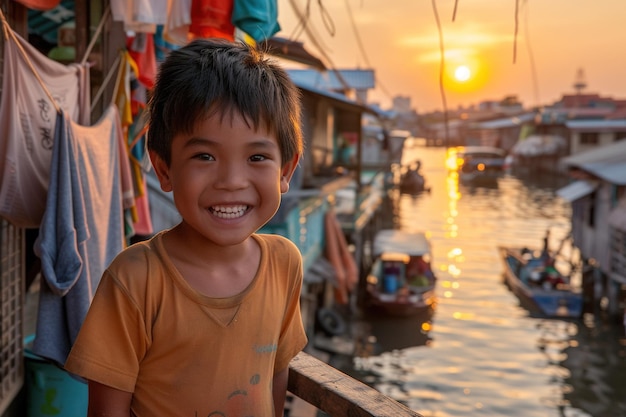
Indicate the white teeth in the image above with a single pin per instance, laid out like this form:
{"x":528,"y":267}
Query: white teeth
{"x":229,"y":212}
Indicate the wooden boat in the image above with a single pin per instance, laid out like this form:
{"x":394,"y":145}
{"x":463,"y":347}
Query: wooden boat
{"x":539,"y":285}
{"x":401,"y":281}
{"x":477,"y":163}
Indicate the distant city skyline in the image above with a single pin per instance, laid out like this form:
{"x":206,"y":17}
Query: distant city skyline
{"x":553,"y":46}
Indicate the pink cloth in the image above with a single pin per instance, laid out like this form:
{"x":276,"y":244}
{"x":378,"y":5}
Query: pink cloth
{"x":28,"y":119}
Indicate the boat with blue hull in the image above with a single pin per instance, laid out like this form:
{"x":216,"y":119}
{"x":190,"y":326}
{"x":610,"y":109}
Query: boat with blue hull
{"x":533,"y":278}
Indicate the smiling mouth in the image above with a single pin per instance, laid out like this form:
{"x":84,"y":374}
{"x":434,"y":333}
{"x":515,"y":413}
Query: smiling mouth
{"x":229,"y":212}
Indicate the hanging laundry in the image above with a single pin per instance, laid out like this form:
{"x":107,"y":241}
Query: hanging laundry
{"x":140,"y":15}
{"x":28,"y":117}
{"x":162,"y":45}
{"x":140,"y":46}
{"x":176,"y":29}
{"x":39,"y":4}
{"x":133,"y":129}
{"x":82,"y":230}
{"x":212,"y":19}
{"x":140,"y":166}
{"x":257,"y":18}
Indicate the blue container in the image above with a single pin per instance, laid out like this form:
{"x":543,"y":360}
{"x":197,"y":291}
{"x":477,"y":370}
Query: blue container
{"x":51,"y":391}
{"x":390,"y":284}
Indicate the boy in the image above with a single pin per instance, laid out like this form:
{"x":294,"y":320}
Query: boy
{"x":204,"y":318}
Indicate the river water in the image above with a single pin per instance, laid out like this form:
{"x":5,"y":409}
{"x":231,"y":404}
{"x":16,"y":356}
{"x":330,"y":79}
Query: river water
{"x":480,"y":353}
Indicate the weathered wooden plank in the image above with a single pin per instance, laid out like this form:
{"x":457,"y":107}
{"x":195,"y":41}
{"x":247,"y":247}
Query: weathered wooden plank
{"x":338,"y":394}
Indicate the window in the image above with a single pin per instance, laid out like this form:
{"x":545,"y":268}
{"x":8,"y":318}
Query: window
{"x":591,"y":219}
{"x":619,"y":136}
{"x":588,"y":138}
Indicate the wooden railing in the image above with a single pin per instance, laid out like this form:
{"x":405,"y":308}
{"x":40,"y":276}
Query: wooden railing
{"x":338,"y":394}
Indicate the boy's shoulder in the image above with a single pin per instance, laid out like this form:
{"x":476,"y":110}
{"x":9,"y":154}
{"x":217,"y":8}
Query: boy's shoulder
{"x":138,"y":257}
{"x":277,"y":242}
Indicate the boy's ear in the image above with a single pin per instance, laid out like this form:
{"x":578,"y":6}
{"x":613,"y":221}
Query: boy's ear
{"x":287,"y":172}
{"x":162,"y":171}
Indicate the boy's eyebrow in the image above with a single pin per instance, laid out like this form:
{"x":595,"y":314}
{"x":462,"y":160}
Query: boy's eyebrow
{"x":261,"y":142}
{"x":193,"y":141}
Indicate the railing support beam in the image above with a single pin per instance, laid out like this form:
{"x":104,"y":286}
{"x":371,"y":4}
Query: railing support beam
{"x":338,"y":394}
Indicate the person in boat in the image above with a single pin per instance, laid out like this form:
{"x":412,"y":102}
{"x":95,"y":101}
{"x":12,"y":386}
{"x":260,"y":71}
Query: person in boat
{"x":419,"y":272}
{"x":413,"y":179}
{"x":552,"y":278}
{"x":545,"y":250}
{"x":204,"y":318}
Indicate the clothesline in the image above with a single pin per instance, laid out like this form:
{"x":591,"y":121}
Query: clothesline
{"x":10,"y":35}
{"x":94,"y":38}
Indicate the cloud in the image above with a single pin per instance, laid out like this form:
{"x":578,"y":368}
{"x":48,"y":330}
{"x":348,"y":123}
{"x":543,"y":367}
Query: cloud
{"x":459,"y":44}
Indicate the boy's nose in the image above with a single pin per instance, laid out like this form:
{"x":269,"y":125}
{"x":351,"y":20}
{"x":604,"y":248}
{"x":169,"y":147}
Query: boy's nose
{"x":231,"y":176}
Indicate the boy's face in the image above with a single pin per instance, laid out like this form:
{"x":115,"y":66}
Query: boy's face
{"x":227,"y":179}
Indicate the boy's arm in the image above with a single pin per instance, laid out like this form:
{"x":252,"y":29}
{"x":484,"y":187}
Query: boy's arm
{"x":108,"y":401}
{"x":279,"y":391}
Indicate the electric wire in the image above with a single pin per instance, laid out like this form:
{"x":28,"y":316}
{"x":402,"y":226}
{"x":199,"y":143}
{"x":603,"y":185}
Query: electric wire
{"x":531,"y":57}
{"x":302,"y":22}
{"x":441,"y":73}
{"x":516,"y":30}
{"x":357,"y":35}
{"x":316,"y":43}
{"x":327,"y":19}
{"x":359,"y":40}
{"x":305,"y":25}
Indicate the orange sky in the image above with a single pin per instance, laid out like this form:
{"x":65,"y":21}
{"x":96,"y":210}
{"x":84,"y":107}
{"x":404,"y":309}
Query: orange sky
{"x":401,"y":43}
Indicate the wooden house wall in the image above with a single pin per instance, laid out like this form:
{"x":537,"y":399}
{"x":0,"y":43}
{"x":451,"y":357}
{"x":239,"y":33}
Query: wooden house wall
{"x":604,"y":138}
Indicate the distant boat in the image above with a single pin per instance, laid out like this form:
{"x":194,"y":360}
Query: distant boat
{"x":540,"y":287}
{"x":477,"y":163}
{"x":538,"y":152}
{"x":401,"y":281}
{"x":411,"y":179}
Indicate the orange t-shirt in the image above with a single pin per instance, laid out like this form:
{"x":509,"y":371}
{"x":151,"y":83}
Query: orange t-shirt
{"x":184,"y":354}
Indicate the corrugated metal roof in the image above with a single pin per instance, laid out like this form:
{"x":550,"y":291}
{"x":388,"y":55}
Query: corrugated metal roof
{"x":329,"y":80}
{"x":576,"y":190}
{"x":614,"y":152}
{"x":505,"y":122}
{"x":607,"y":162}
{"x":292,"y":51}
{"x":596,"y":125}
{"x":338,"y":98}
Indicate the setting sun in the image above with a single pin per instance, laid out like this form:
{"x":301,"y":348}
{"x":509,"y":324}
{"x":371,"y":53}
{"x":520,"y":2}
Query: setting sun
{"x":462,"y":73}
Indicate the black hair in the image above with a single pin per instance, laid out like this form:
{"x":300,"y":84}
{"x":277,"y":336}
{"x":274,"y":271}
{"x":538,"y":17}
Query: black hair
{"x":217,"y":77}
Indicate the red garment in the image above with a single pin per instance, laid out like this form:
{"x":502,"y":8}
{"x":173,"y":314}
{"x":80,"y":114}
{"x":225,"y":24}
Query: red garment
{"x":212,"y":19}
{"x":141,"y":49}
{"x":40,"y":4}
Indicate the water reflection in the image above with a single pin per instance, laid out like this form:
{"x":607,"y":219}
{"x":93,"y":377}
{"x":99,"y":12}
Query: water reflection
{"x":596,"y":360}
{"x":481,"y":352}
{"x":376,"y":335}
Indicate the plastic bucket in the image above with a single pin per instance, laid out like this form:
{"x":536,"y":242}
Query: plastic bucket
{"x":390,"y":284}
{"x":51,"y":391}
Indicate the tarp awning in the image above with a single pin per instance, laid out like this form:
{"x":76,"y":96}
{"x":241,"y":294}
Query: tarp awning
{"x":576,"y":190}
{"x":398,"y":241}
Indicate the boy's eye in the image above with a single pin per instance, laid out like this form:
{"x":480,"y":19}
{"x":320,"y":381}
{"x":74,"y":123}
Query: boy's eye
{"x":204,"y":157}
{"x":256,"y":158}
